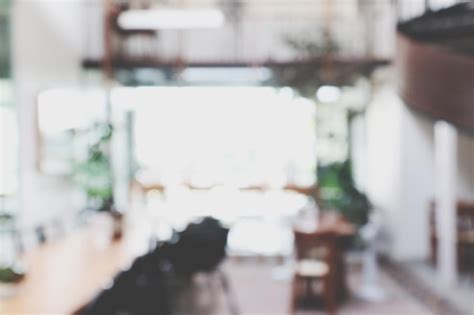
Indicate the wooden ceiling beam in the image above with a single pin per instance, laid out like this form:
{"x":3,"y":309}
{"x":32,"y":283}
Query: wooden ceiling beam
{"x":129,"y":63}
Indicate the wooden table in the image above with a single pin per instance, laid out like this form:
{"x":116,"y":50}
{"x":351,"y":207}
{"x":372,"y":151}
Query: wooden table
{"x":337,"y":232}
{"x":64,"y":275}
{"x":146,"y":184}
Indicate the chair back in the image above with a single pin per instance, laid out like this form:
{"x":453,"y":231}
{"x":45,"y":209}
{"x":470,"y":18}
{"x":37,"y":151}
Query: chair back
{"x":465,"y":216}
{"x":309,"y":245}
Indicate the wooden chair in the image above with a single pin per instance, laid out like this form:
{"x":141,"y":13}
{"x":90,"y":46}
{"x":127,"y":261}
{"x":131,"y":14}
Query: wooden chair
{"x":314,"y":264}
{"x":465,"y":235}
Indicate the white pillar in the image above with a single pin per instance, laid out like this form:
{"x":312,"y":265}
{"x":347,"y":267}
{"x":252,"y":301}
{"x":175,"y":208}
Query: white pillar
{"x":446,"y":139}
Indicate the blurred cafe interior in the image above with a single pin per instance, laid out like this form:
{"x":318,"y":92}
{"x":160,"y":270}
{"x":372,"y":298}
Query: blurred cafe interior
{"x":241,"y":157}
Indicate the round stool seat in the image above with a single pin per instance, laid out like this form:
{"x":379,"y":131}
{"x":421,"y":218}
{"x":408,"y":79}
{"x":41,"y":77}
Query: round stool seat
{"x":311,"y":268}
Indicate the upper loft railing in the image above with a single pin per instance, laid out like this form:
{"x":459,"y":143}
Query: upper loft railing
{"x":254,"y":33}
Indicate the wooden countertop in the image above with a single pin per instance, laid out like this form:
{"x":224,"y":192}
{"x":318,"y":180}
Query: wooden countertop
{"x":64,"y":275}
{"x":332,"y":224}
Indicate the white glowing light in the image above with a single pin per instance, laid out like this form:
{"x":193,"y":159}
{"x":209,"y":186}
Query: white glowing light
{"x":328,"y":94}
{"x":171,"y":19}
{"x":65,"y":109}
{"x":230,"y":75}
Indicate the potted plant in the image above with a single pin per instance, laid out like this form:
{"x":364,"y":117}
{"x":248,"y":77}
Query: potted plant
{"x":10,"y":270}
{"x":338,"y":191}
{"x":94,"y":176}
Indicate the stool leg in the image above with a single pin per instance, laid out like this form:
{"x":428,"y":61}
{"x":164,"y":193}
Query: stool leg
{"x":309,"y":287}
{"x":294,"y":295}
{"x":329,"y":295}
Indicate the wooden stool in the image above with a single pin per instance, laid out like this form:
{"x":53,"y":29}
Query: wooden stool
{"x":309,"y":270}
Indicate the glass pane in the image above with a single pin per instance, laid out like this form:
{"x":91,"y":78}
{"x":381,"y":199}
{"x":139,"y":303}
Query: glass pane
{"x":237,"y":136}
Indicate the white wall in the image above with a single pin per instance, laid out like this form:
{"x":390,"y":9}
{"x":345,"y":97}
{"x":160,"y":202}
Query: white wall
{"x":47,"y":40}
{"x":401,"y":171}
{"x":358,"y":151}
{"x":383,"y":159}
{"x":417,"y":184}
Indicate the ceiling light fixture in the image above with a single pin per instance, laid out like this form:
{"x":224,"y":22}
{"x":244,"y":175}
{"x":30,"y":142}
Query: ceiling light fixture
{"x":228,"y":75}
{"x":171,"y":19}
{"x":328,"y":94}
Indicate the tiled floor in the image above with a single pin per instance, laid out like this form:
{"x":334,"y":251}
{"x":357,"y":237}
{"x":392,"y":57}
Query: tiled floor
{"x":257,"y":291}
{"x":423,"y":281}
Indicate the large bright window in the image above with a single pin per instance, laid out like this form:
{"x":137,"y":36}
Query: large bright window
{"x":235,"y":136}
